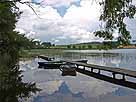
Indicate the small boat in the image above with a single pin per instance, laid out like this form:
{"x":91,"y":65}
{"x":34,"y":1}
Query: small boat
{"x":56,"y":64}
{"x":46,"y":58}
{"x":50,"y":65}
{"x":68,"y":69}
{"x":82,"y":61}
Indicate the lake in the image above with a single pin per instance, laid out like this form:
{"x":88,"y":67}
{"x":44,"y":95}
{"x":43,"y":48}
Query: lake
{"x":80,"y":88}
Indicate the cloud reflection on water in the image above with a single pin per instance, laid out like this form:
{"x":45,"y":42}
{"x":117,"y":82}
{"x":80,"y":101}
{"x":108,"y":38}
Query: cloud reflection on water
{"x":82,"y":88}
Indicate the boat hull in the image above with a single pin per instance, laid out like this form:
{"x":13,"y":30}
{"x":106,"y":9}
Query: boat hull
{"x":68,"y":70}
{"x":47,"y":65}
{"x":46,"y":58}
{"x":56,"y":64}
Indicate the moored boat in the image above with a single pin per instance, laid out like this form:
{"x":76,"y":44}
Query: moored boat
{"x":51,"y":65}
{"x":68,"y":69}
{"x":46,"y":58}
{"x":82,"y":61}
{"x":56,"y":64}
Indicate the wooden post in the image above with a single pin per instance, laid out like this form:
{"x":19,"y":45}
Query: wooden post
{"x":83,"y":67}
{"x":123,"y":77}
{"x":91,"y":69}
{"x":114,"y":76}
{"x":99,"y":71}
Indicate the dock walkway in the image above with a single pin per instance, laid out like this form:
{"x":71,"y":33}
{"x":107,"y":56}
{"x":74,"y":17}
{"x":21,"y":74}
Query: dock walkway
{"x":88,"y":69}
{"x":105,"y":68}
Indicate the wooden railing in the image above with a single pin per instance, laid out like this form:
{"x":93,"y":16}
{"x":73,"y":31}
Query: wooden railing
{"x":88,"y":69}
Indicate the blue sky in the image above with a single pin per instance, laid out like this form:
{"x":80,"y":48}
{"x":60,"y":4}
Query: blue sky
{"x":62,"y":9}
{"x":63,"y":21}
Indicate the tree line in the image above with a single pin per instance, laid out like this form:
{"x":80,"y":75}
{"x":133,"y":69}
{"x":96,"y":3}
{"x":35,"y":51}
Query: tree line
{"x":99,"y":46}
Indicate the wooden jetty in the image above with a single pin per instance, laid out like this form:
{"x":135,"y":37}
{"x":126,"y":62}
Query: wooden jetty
{"x":88,"y":69}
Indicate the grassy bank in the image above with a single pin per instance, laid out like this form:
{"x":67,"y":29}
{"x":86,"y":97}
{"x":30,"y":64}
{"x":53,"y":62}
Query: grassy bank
{"x":49,"y":52}
{"x":35,"y":52}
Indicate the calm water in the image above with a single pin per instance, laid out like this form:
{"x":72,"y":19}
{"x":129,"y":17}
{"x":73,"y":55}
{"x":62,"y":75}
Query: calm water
{"x":81,"y":88}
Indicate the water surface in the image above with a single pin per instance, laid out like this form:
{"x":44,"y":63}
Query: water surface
{"x":82,"y":88}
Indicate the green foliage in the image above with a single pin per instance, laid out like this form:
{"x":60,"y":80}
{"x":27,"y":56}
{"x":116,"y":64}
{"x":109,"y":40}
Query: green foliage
{"x":74,"y":47}
{"x":11,"y":86}
{"x":68,"y":46}
{"x":114,"y":13}
{"x":79,"y":47}
{"x":89,"y":46}
{"x":46,"y":44}
{"x":83,"y":47}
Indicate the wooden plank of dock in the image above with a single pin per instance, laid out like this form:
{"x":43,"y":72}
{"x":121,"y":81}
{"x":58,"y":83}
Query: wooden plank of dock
{"x":125,"y":83}
{"x":105,"y":68}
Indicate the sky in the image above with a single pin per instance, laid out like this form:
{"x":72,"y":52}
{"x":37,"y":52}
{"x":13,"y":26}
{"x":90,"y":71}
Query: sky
{"x":63,"y":21}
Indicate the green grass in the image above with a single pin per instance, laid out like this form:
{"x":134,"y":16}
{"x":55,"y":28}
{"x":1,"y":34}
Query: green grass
{"x":58,"y":49}
{"x":35,"y":52}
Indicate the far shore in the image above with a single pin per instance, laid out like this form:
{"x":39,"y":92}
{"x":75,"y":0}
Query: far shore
{"x":32,"y":53}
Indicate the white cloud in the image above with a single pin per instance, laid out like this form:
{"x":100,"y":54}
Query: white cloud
{"x":57,"y":3}
{"x":77,"y":24}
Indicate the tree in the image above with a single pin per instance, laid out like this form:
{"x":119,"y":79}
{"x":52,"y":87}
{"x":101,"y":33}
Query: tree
{"x":46,"y":44}
{"x":24,"y":42}
{"x":11,"y":86}
{"x":68,"y":46}
{"x":79,"y":47}
{"x":83,"y":46}
{"x":89,"y":46}
{"x":74,"y":47}
{"x":114,"y":13}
